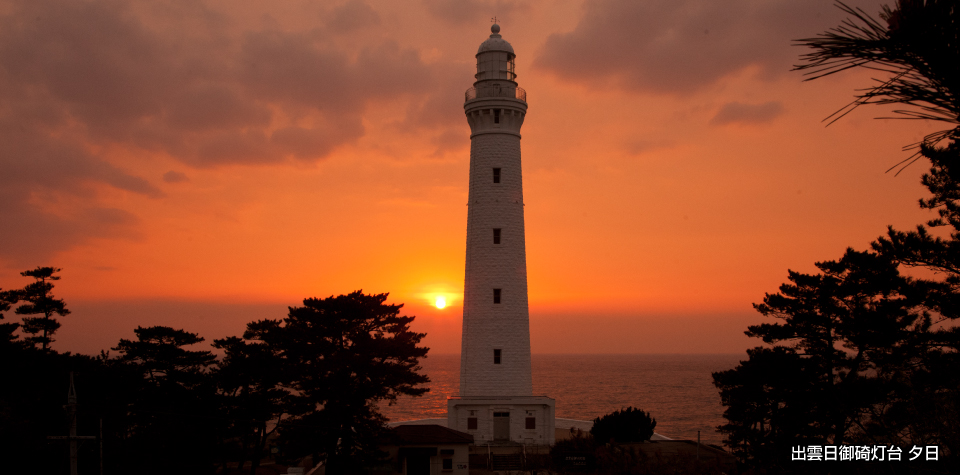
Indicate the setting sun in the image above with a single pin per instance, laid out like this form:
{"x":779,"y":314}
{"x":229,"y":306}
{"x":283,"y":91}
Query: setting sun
{"x":441,"y":302}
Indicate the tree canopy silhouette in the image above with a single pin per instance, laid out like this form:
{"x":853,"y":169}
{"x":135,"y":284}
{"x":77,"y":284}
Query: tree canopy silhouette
{"x":159,"y":353}
{"x":252,"y":379}
{"x":40,"y":301}
{"x":624,"y":425}
{"x":344,"y":355}
{"x":862,"y":354}
{"x":850,"y":363}
{"x":918,"y":48}
{"x":172,"y":413}
{"x":7,"y":329}
{"x":314,"y":380}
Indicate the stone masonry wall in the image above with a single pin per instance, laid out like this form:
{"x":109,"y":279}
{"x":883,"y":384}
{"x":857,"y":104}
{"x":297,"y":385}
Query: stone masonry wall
{"x":487,"y":325}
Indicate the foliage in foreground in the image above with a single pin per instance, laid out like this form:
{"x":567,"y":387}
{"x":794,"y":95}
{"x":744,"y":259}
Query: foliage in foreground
{"x":624,"y":425}
{"x":861,"y":354}
{"x":35,"y":298}
{"x":307,"y":385}
{"x":853,"y":360}
{"x":583,"y":453}
{"x":342,"y":355}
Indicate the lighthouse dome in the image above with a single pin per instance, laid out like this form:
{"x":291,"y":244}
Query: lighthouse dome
{"x":495,"y":42}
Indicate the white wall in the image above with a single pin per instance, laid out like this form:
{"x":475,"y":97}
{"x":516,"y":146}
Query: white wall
{"x":542,"y":408}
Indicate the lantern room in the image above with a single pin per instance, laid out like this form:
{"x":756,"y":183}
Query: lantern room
{"x":495,"y":59}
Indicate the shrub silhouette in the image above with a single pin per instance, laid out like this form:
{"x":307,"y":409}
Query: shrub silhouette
{"x":626,"y":425}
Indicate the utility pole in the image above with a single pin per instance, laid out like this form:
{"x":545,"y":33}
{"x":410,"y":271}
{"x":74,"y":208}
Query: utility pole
{"x":101,"y":446}
{"x":73,"y":438}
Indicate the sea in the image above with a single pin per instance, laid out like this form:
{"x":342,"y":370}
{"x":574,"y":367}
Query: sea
{"x":677,"y":390}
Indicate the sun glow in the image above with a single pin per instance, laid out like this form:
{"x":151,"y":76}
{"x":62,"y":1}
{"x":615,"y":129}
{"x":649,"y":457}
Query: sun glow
{"x":441,"y":302}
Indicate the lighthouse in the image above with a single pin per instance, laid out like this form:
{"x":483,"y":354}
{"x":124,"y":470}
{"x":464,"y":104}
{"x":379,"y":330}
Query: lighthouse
{"x":496,"y":402}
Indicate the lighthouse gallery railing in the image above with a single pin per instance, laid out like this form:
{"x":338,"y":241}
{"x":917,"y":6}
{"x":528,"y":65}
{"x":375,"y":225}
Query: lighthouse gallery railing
{"x":496,"y":91}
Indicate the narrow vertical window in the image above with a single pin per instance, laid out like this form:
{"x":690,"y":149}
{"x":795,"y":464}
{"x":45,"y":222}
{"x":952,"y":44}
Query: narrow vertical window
{"x":471,"y":423}
{"x":496,"y":175}
{"x":496,"y":235}
{"x":531,"y":423}
{"x":496,"y":356}
{"x":496,"y":116}
{"x":496,"y":295}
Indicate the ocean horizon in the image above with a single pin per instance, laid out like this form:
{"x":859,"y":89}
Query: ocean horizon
{"x":677,"y":389}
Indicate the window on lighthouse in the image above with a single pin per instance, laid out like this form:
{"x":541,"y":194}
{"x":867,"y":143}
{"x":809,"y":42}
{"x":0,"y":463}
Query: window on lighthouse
{"x":496,"y":295}
{"x":496,"y":356}
{"x":496,"y":235}
{"x":496,"y":116}
{"x":496,"y":175}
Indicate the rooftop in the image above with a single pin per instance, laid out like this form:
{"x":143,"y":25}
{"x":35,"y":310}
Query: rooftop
{"x":430,"y":434}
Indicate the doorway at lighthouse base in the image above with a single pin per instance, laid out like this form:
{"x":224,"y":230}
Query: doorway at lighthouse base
{"x":527,"y":420}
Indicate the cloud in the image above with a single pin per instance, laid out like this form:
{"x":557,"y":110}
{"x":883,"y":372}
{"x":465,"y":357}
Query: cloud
{"x":175,"y":177}
{"x":204,"y":107}
{"x":117,"y":78}
{"x":34,"y":234}
{"x":48,"y":194}
{"x":305,"y":143}
{"x":351,"y":16}
{"x":680,"y":46}
{"x":32,"y":159}
{"x":79,"y":78}
{"x":462,"y":12}
{"x":642,"y":146}
{"x":435,"y":111}
{"x":740,"y":113}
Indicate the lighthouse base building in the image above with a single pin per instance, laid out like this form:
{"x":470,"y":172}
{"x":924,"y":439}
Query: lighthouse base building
{"x":527,"y":420}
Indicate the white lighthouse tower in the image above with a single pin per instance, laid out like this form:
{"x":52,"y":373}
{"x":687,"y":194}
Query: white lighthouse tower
{"x":496,"y":402}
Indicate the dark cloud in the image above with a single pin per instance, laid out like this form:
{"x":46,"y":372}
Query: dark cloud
{"x":79,"y":77}
{"x":305,"y":143}
{"x":740,"y":113}
{"x":48,"y":191}
{"x":351,"y":16}
{"x":119,"y":80}
{"x":639,"y":147}
{"x":435,"y":111}
{"x":233,"y":147}
{"x":678,"y":46}
{"x":33,"y":233}
{"x":31,"y":159}
{"x":462,"y":12}
{"x":173,"y":176}
{"x":211,"y":107}
{"x":450,"y":139}
{"x":279,"y":66}
{"x":95,"y":61}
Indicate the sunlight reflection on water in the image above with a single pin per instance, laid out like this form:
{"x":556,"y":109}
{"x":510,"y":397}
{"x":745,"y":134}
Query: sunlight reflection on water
{"x":677,"y":389}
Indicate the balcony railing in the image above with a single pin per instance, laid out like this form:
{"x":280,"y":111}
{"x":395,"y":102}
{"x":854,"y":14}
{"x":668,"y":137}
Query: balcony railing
{"x":496,"y":91}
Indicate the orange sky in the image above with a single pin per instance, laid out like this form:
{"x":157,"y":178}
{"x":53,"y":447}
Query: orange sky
{"x":205,"y":164}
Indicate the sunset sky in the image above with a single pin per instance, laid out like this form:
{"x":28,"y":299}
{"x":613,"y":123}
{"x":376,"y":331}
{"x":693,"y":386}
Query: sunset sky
{"x":203,"y":164}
